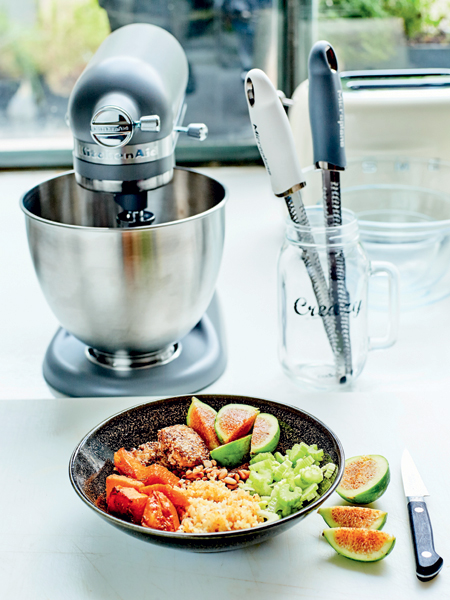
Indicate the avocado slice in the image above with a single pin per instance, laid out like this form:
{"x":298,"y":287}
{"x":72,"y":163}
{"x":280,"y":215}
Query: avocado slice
{"x":365,"y":479}
{"x":364,"y":545}
{"x":233,"y":454}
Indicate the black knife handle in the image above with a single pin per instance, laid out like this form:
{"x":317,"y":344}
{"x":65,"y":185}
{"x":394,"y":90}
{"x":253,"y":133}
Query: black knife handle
{"x":428,"y":562}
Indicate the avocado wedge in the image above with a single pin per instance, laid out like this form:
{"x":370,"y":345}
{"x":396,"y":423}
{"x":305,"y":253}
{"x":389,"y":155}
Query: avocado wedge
{"x":233,"y":454}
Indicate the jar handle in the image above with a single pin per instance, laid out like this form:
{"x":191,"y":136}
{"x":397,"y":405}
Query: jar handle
{"x":387,"y":268}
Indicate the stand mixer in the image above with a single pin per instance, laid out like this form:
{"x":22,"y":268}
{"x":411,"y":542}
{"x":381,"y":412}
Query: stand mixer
{"x":127,"y":247}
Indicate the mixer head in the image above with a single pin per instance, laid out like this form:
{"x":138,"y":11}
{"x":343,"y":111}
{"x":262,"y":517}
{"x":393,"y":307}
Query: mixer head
{"x":125,"y":113}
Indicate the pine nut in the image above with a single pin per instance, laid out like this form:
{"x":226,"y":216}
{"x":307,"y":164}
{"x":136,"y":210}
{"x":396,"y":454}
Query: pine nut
{"x":208,"y":470}
{"x":236,"y":476}
{"x":229,"y":480}
{"x":207,"y":463}
{"x":223,"y":473}
{"x":214,"y":463}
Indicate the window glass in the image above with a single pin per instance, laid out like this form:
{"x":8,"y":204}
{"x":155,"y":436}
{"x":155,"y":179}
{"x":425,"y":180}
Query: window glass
{"x":45,"y":47}
{"x":387,"y":34}
{"x":47,"y":43}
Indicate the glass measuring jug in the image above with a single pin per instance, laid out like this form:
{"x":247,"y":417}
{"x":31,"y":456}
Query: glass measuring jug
{"x":308,"y":330}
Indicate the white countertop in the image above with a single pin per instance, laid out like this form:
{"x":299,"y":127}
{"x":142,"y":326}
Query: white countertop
{"x":52,"y":546}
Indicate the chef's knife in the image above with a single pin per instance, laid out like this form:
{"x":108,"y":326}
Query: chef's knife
{"x":326,"y":114}
{"x":276,"y":145}
{"x":428,"y":562}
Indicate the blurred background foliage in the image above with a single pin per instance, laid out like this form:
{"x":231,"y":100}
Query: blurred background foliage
{"x":57,"y":47}
{"x":422,"y":18}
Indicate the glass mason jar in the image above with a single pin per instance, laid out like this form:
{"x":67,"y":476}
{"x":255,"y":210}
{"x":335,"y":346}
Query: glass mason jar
{"x":323,"y":281}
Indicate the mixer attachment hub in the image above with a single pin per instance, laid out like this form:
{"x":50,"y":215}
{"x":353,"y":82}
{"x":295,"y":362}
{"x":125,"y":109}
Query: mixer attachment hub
{"x":134,"y":213}
{"x":135,"y":218}
{"x":127,"y":361}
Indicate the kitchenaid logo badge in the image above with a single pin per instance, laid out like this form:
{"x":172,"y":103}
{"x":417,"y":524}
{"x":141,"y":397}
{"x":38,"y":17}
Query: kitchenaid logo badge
{"x":261,"y":151}
{"x":341,"y":118}
{"x":111,"y":128}
{"x":88,"y":151}
{"x":303,"y":308}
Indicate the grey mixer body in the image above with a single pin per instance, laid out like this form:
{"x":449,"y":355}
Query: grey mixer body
{"x":125,"y":113}
{"x":127,"y":248}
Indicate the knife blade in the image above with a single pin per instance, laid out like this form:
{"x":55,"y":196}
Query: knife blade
{"x":428,"y":562}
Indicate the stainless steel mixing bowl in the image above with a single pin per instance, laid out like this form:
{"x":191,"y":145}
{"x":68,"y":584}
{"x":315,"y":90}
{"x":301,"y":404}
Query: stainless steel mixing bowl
{"x":127,"y":290}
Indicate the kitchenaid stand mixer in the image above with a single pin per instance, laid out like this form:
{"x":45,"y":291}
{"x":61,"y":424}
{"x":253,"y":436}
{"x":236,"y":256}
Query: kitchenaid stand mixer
{"x":127,"y":248}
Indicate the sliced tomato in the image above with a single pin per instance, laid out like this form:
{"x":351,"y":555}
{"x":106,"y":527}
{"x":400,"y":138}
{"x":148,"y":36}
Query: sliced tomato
{"x":159,"y":474}
{"x":128,"y":502}
{"x":129,"y":465}
{"x":176,"y":496}
{"x":160,"y":513}
{"x":123,"y":481}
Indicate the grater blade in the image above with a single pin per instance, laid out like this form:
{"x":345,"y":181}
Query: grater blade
{"x":338,"y":293}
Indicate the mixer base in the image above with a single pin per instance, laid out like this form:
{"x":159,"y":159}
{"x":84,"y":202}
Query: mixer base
{"x":201,"y":361}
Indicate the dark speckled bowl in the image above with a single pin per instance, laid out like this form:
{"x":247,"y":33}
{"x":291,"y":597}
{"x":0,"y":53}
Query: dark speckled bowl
{"x":91,"y":463}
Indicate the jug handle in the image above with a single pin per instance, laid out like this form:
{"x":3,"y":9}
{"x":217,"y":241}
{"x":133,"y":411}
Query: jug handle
{"x":393,"y":275}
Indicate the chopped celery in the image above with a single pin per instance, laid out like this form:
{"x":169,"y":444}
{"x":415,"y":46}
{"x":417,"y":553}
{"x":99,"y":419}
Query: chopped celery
{"x":328,"y":470}
{"x":282,"y":470}
{"x":298,"y":451}
{"x":309,"y":492}
{"x":288,"y":498}
{"x":260,"y":483}
{"x":312,"y":474}
{"x":263,"y":467}
{"x":274,"y":504}
{"x":299,"y":482}
{"x":268,"y":515}
{"x":290,"y":480}
{"x":317,"y":455}
{"x":285,"y":482}
{"x":279,"y":457}
{"x":302,"y":463}
{"x":261,"y":457}
{"x":325,"y":486}
{"x":264,"y":502}
{"x":247,"y":487}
